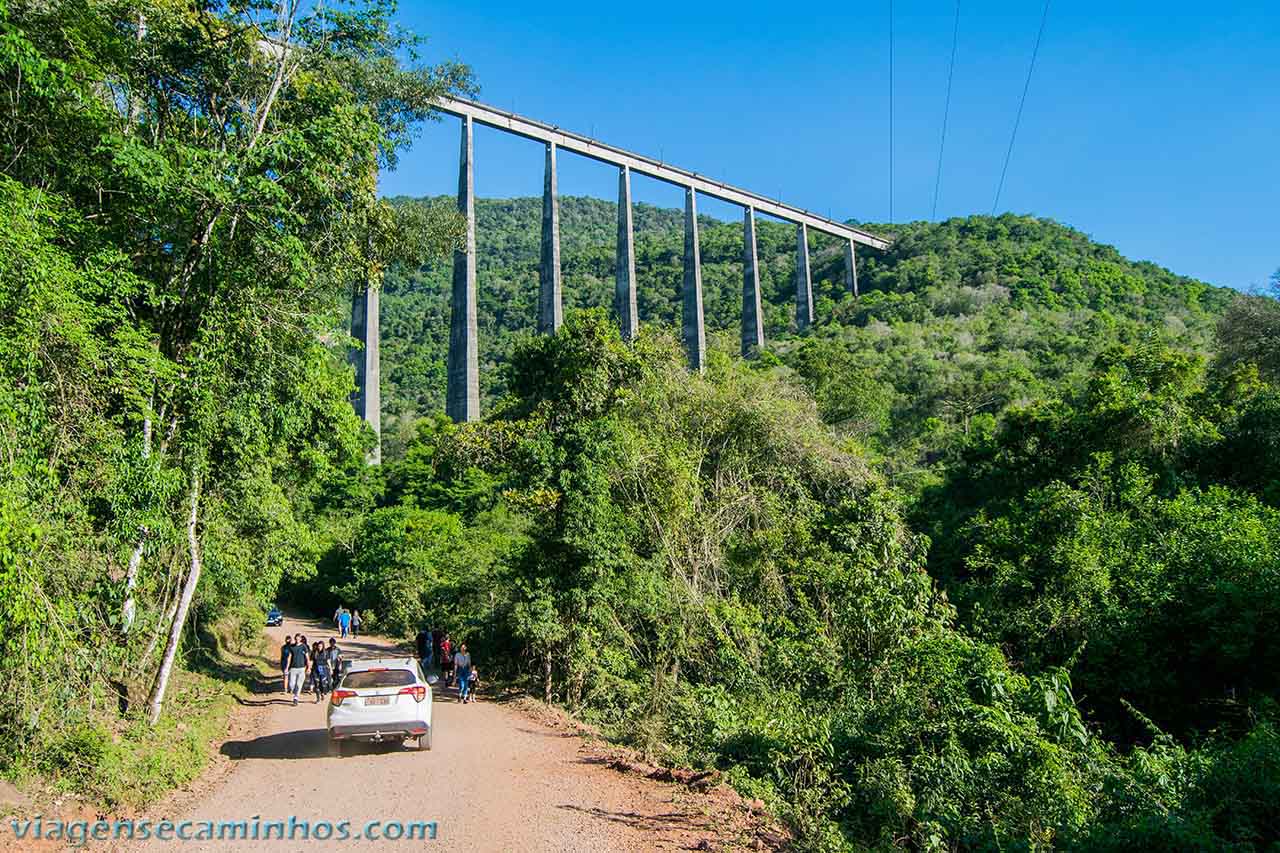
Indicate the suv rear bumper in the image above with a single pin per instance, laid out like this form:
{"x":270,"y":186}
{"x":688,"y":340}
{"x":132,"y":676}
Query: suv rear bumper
{"x":380,"y":731}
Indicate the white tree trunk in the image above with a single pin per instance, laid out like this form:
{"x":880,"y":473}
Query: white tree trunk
{"x":156,"y":700}
{"x":129,"y":610}
{"x":165,"y":621}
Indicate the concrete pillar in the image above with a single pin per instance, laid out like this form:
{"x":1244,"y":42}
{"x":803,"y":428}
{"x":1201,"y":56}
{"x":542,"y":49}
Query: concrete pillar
{"x":550,"y":312}
{"x":850,"y":269}
{"x":625,"y":292}
{"x":804,"y":286}
{"x":752,"y":316}
{"x":367,"y":398}
{"x":695,"y":336}
{"x":462,"y":402}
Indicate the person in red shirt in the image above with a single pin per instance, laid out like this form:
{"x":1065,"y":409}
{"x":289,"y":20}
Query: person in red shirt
{"x":446,"y":660}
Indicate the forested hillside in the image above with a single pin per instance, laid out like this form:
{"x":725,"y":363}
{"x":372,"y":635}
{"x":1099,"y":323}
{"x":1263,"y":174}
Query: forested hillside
{"x":956,"y":321}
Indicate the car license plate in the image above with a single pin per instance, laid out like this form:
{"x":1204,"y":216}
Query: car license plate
{"x":377,"y":700}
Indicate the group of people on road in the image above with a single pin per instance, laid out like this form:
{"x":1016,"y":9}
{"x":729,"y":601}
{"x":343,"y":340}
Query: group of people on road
{"x":347,"y":621}
{"x":315,"y":664}
{"x":455,"y":664}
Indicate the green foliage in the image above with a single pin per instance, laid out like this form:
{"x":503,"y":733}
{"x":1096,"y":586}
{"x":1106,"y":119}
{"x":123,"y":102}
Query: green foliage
{"x":187,"y":195}
{"x":1104,"y":533}
{"x":751,"y":569}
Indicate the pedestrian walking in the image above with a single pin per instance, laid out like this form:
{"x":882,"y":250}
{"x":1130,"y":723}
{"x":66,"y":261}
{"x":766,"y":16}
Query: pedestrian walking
{"x":355,"y":623}
{"x":336,"y":614}
{"x":473,"y":686}
{"x":344,"y":623}
{"x":301,"y":640}
{"x":422,"y":644}
{"x":285,"y":657}
{"x":335,"y":662}
{"x":299,"y":663}
{"x":320,"y":671}
{"x":462,"y":668}
{"x":446,"y":660}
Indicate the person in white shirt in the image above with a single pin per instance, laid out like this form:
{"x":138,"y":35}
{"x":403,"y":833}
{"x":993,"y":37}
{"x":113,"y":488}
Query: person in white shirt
{"x":462,"y":672}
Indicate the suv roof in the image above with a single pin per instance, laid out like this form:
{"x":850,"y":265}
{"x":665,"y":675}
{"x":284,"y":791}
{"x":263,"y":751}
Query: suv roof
{"x":398,"y":662}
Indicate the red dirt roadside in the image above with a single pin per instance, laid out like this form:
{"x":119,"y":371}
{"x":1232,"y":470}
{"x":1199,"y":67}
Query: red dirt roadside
{"x":499,"y":777}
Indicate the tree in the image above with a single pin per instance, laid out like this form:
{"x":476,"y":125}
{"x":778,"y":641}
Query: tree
{"x":227,"y":156}
{"x":1249,"y":333}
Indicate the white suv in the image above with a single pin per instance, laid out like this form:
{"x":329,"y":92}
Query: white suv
{"x":380,"y":699}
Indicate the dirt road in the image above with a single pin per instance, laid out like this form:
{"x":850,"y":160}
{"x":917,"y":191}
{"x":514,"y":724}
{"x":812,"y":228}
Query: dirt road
{"x":495,"y":779}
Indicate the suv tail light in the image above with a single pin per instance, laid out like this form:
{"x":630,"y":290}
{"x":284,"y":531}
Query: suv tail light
{"x":418,"y":692}
{"x":338,"y":695}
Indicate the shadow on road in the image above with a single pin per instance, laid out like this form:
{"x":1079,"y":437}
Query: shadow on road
{"x":654,"y":824}
{"x":303,"y":743}
{"x":546,"y":733}
{"x":300,"y":744}
{"x":259,"y":703}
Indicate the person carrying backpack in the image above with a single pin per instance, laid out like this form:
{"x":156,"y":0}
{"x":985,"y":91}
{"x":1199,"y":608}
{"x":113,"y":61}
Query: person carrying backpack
{"x":344,"y":623}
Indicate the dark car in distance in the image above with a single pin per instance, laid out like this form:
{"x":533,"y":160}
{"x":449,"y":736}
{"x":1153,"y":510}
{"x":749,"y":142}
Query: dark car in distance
{"x":274,"y":617}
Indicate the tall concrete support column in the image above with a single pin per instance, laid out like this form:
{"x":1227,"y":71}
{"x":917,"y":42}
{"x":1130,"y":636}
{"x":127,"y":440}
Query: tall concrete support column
{"x":625,"y":292}
{"x":550,"y":312}
{"x":850,"y":269}
{"x":695,"y":336}
{"x":462,"y":402}
{"x":804,"y":286}
{"x":367,"y":398}
{"x":752,"y":317}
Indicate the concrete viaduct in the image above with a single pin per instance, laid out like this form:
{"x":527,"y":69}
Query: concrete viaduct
{"x":463,"y":397}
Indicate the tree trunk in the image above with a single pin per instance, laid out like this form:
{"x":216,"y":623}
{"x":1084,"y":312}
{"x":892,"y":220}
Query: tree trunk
{"x":156,"y":700}
{"x":128,"y":611}
{"x":165,"y":622}
{"x":576,"y":687}
{"x":546,"y":678}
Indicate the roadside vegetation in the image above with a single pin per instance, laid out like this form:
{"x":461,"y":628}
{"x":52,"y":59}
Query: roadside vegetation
{"x":186,"y":198}
{"x":988,"y":559}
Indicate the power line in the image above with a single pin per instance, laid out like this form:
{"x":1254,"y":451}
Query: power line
{"x":946,"y":110}
{"x":891,"y":111}
{"x":1018,"y":120}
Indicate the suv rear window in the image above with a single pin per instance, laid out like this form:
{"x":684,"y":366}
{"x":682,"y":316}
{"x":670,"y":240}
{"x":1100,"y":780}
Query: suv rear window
{"x":379,"y":678}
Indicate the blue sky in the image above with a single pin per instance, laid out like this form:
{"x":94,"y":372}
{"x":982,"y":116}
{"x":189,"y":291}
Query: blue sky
{"x":1151,"y":126}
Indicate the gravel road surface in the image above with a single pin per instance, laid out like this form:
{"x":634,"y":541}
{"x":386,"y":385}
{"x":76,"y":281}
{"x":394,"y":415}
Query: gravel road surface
{"x":495,"y":779}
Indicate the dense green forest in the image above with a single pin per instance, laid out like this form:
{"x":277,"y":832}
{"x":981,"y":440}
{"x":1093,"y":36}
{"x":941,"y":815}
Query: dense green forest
{"x":986,"y":559}
{"x":955,"y":322}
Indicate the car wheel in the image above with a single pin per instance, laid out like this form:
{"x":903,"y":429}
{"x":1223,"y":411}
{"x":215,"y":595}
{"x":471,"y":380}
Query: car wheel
{"x":424,"y":741}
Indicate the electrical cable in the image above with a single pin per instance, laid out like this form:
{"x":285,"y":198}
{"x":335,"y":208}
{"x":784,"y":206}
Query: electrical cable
{"x":946,"y":110}
{"x":1022,"y":103}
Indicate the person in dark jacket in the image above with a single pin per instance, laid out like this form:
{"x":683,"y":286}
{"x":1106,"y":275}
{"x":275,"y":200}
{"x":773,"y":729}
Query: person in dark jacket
{"x":335,"y":661}
{"x":299,"y":664}
{"x":422,"y":643}
{"x":320,"y":671}
{"x":284,"y":662}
